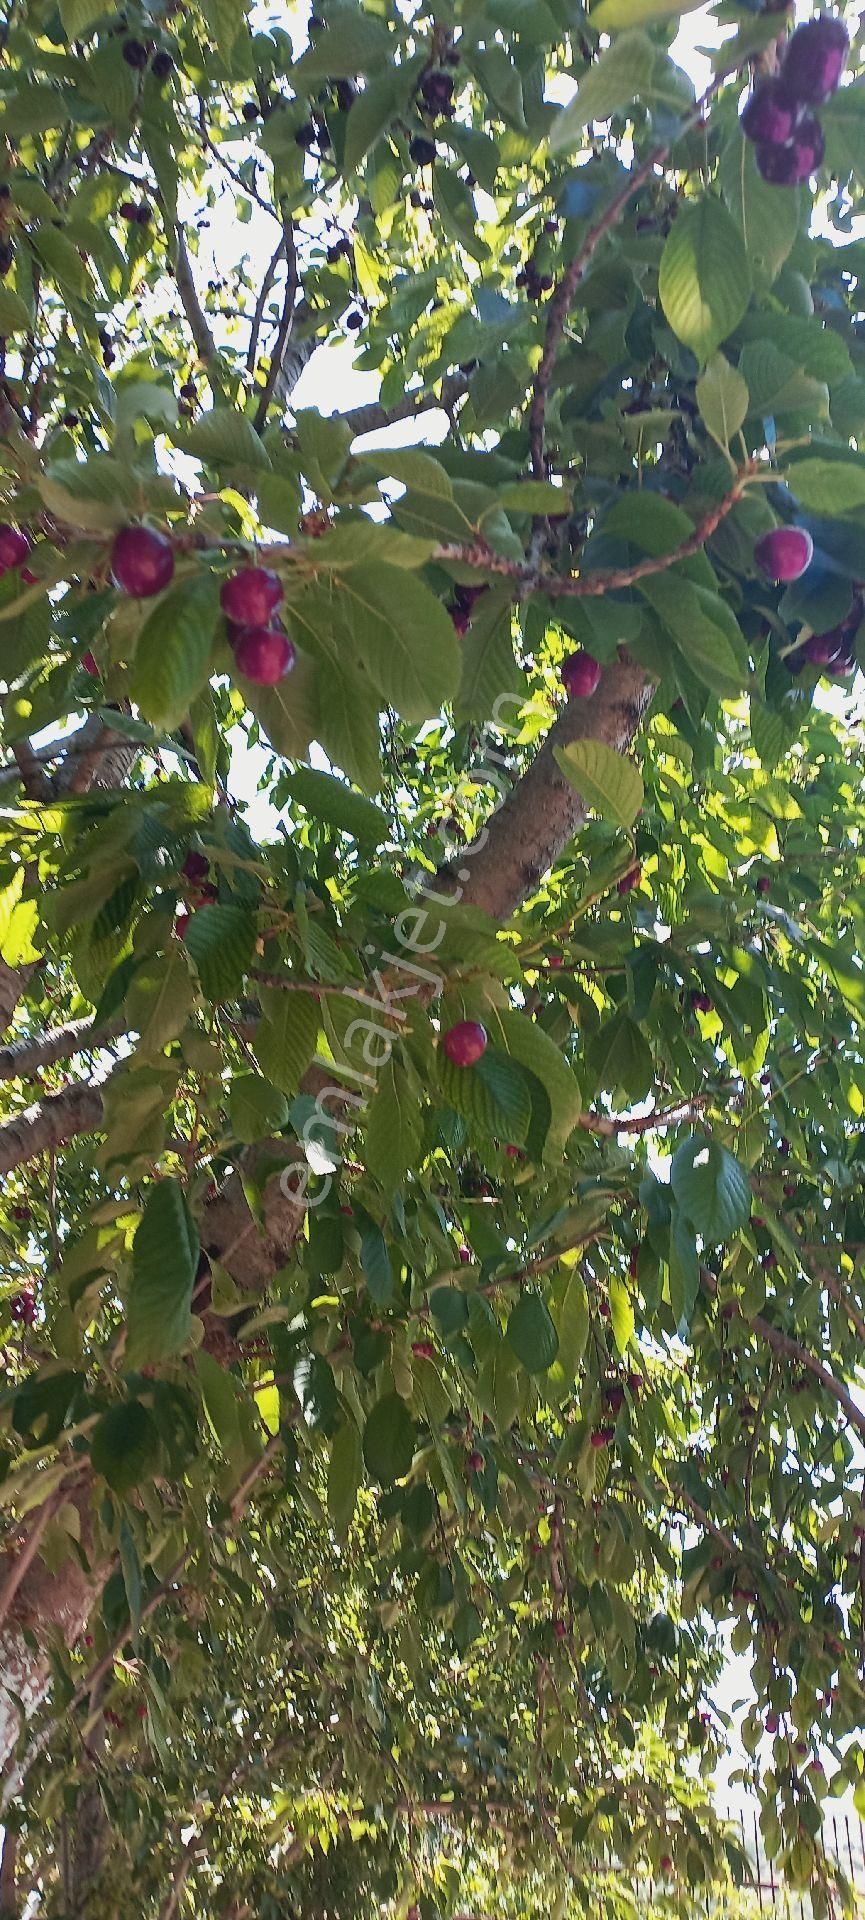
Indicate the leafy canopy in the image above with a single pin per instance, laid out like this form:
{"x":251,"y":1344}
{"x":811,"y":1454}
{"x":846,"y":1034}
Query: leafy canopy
{"x":390,"y":1439}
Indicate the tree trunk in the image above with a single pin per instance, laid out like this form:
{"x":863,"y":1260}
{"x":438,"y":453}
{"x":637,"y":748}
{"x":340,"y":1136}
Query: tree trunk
{"x":8,"y":1877}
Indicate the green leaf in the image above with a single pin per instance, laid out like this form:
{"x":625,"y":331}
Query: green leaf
{"x":285,"y":1038}
{"x":225,"y":438}
{"x":704,"y":629}
{"x":767,"y":216}
{"x":130,"y":1566}
{"x":78,"y":15}
{"x":369,"y":117}
{"x":572,"y":1322}
{"x":164,"y":1261}
{"x":827,"y":486}
{"x":353,"y":43}
{"x":531,"y":1333}
{"x":684,"y":1269}
{"x":174,"y":653}
{"x":221,"y":941}
{"x":711,"y":1188}
{"x":219,"y":1396}
{"x":125,"y":1446}
{"x":62,"y":261}
{"x":621,"y":1313}
{"x":393,"y":1129}
{"x":628,"y":70}
{"x":489,"y":668}
{"x":619,"y":1056}
{"x":255,"y":1108}
{"x":389,"y":1440}
{"x":527,"y":1042}
{"x":348,"y":723}
{"x":494,"y":1094}
{"x":344,"y":1477}
{"x":404,"y":638}
{"x":160,"y":999}
{"x":610,"y":16}
{"x":704,"y":282}
{"x":722,"y":397}
{"x":375,"y":1261}
{"x":288,"y":713}
{"x":607,"y":781}
{"x":14,"y":317}
{"x":225,"y":18}
{"x":331,"y":800}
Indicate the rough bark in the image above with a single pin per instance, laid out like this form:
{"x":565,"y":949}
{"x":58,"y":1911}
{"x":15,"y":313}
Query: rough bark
{"x":526,"y":835}
{"x":26,"y":1059}
{"x":44,"y":1604}
{"x":8,"y":1876}
{"x":57,"y":1118}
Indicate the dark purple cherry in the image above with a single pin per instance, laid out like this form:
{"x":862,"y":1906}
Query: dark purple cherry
{"x":769,"y":115}
{"x":814,"y":59}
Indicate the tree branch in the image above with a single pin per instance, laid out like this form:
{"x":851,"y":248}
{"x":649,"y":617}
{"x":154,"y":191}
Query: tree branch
{"x":583,"y":586}
{"x":374,"y":418}
{"x":542,"y":812}
{"x":205,"y":345}
{"x":26,"y":1059}
{"x":36,"y":782}
{"x":285,"y":326}
{"x":54,"y":1120}
{"x":263,"y":293}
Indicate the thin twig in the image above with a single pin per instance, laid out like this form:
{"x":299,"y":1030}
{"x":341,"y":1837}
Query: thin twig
{"x":263,"y":294}
{"x":584,"y":586}
{"x":205,"y":345}
{"x":285,"y":325}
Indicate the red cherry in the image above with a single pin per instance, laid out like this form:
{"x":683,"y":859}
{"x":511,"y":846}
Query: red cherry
{"x":630,"y":879}
{"x":465,"y":1043}
{"x":555,"y":960}
{"x":29,"y":579}
{"x":514,"y":1153}
{"x":786,"y":166}
{"x":196,"y":866}
{"x":701,"y":1002}
{"x":666,"y":1863}
{"x":603,"y":1436}
{"x":560,"y":1629}
{"x":814,"y":59}
{"x":423,"y":1349}
{"x":88,"y":1639}
{"x":14,"y":546}
{"x":474,"y":1461}
{"x":142,"y":561}
{"x":633,"y":1262}
{"x":771,"y":1723}
{"x":89,"y":665}
{"x":251,"y":597}
{"x":580,"y":676}
{"x":784,"y":553}
{"x":769,"y":114}
{"x":464,"y":1255}
{"x":180,"y":925}
{"x":22,"y":1307}
{"x":764,"y":886}
{"x":264,"y":655}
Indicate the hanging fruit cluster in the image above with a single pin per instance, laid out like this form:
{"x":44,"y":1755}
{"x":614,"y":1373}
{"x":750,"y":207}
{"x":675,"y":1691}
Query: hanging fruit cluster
{"x":778,"y":117}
